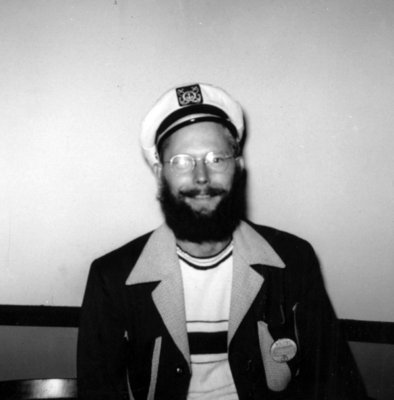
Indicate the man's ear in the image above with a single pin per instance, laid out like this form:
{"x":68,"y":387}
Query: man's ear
{"x":240,"y":163}
{"x":157,"y":170}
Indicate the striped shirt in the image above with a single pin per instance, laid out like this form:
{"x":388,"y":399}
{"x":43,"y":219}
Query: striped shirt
{"x":207,"y":290}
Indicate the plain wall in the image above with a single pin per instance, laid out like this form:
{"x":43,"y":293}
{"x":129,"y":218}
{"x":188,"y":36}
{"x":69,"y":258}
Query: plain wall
{"x":316,"y":81}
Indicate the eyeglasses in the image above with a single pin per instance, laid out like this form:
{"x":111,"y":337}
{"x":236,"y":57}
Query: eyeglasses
{"x":184,"y":163}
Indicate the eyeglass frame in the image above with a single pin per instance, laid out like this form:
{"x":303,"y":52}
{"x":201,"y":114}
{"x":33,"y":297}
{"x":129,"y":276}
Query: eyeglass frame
{"x":194,"y":160}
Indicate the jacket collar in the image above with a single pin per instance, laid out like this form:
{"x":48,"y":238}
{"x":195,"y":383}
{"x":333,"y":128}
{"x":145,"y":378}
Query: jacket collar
{"x":253,"y":248}
{"x":158,"y":262}
{"x":250,"y":248}
{"x":159,"y":257}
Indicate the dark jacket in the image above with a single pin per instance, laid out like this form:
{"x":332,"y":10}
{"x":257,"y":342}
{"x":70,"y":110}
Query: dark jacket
{"x":133,"y":341}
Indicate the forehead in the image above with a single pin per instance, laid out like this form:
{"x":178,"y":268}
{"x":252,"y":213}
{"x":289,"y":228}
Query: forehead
{"x":199,"y":138}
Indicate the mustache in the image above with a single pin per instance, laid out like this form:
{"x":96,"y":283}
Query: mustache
{"x":207,"y":191}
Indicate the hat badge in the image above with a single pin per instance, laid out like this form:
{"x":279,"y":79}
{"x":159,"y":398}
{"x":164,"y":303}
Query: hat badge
{"x":188,"y":95}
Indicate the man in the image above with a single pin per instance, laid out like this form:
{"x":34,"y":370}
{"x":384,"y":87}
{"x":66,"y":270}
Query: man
{"x":208,"y":306}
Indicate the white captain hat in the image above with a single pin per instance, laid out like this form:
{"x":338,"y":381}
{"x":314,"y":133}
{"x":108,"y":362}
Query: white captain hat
{"x":186,"y":105}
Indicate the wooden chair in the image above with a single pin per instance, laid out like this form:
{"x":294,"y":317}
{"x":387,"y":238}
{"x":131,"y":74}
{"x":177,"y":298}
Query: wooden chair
{"x":30,"y":389}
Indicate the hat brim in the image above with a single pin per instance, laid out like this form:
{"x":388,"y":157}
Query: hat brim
{"x":192,"y":115}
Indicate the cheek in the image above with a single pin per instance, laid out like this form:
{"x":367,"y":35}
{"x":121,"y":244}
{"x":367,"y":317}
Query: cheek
{"x":225,"y":180}
{"x":174,"y":182}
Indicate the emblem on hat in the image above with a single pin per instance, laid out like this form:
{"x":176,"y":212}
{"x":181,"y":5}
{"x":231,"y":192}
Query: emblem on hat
{"x":283,"y":350}
{"x":188,"y":95}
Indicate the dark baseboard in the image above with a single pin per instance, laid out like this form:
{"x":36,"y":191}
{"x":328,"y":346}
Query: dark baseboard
{"x":368,"y":331}
{"x":39,"y":316}
{"x":50,"y":316}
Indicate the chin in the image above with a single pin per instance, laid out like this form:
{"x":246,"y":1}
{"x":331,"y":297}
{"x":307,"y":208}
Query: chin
{"x":203,"y":211}
{"x":204,"y":207}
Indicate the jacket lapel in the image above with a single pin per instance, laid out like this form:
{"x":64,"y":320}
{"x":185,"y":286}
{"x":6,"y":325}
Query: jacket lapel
{"x":250,"y":248}
{"x":159,"y":263}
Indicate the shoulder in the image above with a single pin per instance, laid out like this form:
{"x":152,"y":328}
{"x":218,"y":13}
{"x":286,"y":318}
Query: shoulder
{"x":273,"y":235}
{"x":302,"y":271}
{"x":287,"y":245}
{"x":128,"y":250}
{"x":119,"y":262}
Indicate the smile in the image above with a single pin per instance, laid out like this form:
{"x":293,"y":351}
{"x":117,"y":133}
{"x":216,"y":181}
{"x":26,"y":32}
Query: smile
{"x":202,"y":194}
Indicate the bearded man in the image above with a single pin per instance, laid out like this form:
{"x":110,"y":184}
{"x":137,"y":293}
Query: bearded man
{"x":209,"y":305}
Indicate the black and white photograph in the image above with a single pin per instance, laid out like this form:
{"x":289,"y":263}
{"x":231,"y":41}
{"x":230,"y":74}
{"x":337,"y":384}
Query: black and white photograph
{"x":197,"y":199}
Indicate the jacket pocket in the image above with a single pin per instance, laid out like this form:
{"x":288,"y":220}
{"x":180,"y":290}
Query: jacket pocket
{"x":278,"y":374}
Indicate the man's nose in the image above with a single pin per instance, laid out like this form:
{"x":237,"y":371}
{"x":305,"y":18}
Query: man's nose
{"x":201,"y":172}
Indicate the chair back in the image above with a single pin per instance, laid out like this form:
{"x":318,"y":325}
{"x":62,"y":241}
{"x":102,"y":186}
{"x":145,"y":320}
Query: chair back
{"x":38,"y":389}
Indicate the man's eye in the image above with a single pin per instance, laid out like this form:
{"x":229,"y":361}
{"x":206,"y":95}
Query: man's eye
{"x":182,"y":162}
{"x":217,"y":159}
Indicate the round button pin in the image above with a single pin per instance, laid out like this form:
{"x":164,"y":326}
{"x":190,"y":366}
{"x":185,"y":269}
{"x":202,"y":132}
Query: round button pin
{"x":283,"y":350}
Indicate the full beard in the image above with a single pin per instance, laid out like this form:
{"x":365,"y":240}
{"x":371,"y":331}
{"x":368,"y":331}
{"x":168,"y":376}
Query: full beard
{"x":202,"y":226}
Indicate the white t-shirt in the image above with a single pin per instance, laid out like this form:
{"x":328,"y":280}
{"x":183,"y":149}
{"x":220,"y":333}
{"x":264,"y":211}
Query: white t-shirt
{"x":207,"y":289}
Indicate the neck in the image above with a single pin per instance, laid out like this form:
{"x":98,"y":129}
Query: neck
{"x":204,"y":249}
